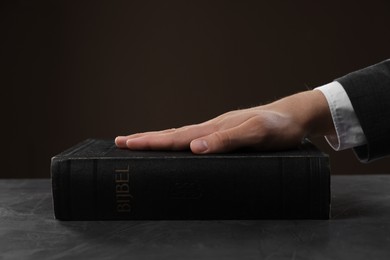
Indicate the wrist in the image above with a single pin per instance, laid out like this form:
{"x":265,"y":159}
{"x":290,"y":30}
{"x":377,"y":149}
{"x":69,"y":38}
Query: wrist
{"x":309,"y":110}
{"x":316,"y":114}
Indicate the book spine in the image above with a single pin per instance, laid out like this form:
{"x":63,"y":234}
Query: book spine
{"x":60,"y":188}
{"x":191,"y":188}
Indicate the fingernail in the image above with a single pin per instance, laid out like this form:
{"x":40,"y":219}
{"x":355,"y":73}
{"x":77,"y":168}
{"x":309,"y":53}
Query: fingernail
{"x":118,"y":139}
{"x":199,"y":146}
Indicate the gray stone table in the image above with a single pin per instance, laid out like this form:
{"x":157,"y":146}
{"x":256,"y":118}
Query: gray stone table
{"x":359,"y":229}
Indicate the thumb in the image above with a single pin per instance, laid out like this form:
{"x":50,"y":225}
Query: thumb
{"x":217,"y":142}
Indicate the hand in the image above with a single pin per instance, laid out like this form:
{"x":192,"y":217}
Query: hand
{"x":279,"y":125}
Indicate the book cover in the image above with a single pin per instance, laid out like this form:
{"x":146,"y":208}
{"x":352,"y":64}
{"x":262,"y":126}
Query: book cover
{"x":95,"y":180}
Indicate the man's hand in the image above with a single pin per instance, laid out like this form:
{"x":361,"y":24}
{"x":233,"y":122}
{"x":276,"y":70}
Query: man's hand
{"x":279,"y":125}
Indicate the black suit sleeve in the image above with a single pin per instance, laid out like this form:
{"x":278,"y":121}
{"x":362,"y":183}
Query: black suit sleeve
{"x":369,"y":92}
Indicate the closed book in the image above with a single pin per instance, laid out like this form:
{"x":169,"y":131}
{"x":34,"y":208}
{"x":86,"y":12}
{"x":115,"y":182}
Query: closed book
{"x":95,"y":180}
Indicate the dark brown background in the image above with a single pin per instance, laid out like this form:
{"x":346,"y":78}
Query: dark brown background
{"x":78,"y":69}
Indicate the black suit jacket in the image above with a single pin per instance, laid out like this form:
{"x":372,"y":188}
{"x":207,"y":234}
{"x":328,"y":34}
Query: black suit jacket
{"x":369,"y":92}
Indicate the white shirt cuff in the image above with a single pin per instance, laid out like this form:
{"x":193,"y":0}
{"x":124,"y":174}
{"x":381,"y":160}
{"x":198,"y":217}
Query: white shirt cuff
{"x":349,"y":132}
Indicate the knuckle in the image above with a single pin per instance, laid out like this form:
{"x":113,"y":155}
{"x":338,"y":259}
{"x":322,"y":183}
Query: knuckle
{"x":172,"y":143}
{"x":223,"y":139}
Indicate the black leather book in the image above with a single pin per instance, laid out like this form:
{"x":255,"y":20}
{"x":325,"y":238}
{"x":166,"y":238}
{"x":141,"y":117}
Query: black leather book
{"x":95,"y":180}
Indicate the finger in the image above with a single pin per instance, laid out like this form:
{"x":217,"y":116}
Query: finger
{"x":154,"y":142}
{"x":120,"y":141}
{"x":173,"y":140}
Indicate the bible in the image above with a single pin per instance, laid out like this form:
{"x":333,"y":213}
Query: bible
{"x":95,"y":180}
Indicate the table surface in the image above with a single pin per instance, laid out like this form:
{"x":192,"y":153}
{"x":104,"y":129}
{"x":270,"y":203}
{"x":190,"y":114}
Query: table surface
{"x":359,"y":229}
